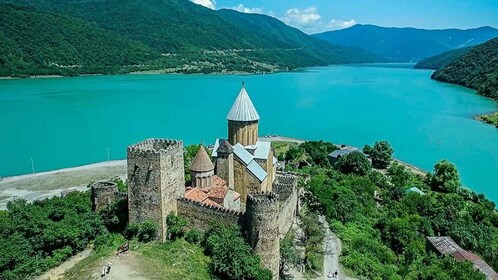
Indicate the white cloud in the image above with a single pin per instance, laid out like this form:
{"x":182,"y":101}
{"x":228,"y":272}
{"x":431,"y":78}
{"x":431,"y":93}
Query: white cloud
{"x":306,"y":19}
{"x":211,"y":4}
{"x":243,"y":9}
{"x":340,"y":24}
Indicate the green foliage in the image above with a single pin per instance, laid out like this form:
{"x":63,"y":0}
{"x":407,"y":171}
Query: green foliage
{"x":122,"y":186}
{"x":439,"y":61}
{"x":475,"y":69}
{"x":318,"y":151}
{"x":388,"y":241}
{"x":232,"y":257}
{"x":144,"y":232}
{"x":314,"y":234}
{"x":120,"y":36}
{"x":490,"y":118}
{"x":445,"y":178}
{"x":188,"y":156}
{"x":40,"y":235}
{"x":289,"y":255}
{"x":176,"y":226}
{"x":194,"y":236}
{"x":354,"y":163}
{"x":115,"y":216}
{"x":381,"y":154}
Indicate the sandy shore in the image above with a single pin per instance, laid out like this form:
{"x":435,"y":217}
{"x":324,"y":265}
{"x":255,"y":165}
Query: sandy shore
{"x":52,"y":183}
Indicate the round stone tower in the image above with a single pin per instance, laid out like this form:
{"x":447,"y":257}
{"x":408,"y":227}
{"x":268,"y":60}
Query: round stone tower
{"x":202,"y":169}
{"x":103,"y":194}
{"x":243,"y":121}
{"x":262,"y":229}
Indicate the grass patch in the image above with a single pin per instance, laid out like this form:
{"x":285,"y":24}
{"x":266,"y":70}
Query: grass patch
{"x":174,"y":260}
{"x":281,"y":147}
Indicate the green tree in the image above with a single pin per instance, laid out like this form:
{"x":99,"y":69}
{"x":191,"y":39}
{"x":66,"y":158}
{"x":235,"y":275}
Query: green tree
{"x":176,"y":226}
{"x":354,"y":163}
{"x":445,"y":178}
{"x":381,"y":154}
{"x":232,"y":257}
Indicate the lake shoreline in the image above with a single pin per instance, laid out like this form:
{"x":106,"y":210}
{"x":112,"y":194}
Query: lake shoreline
{"x":491,"y":118}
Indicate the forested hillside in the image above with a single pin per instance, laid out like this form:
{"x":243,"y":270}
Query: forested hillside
{"x":477,"y":69}
{"x":439,"y":61}
{"x":170,"y":34}
{"x":33,"y":42}
{"x":407,"y":44}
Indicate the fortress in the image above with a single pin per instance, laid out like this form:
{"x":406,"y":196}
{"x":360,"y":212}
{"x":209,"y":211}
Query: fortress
{"x":242,"y":171}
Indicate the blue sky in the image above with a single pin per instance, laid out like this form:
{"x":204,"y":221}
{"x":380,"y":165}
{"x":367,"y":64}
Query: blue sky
{"x":313,"y":16}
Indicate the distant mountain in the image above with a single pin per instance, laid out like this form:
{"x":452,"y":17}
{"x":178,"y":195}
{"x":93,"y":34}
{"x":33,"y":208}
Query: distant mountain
{"x":439,"y":61}
{"x":477,"y":68}
{"x":190,"y":38}
{"x":407,"y":44}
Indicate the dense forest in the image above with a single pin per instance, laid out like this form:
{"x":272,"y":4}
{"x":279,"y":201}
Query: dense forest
{"x":439,"y":61}
{"x":112,"y":36}
{"x":383,"y":225}
{"x":476,"y":69}
{"x":407,"y":44}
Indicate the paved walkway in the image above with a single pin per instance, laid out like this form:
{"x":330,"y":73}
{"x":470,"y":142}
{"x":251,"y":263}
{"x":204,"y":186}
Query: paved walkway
{"x":332,"y":250}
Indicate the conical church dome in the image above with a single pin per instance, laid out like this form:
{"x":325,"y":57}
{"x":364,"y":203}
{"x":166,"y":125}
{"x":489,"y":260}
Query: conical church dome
{"x":242,"y":109}
{"x":201,"y":162}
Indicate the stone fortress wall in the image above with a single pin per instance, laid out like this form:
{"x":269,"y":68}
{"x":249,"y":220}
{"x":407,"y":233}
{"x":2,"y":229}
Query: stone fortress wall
{"x":155,"y":180}
{"x":156,"y":187}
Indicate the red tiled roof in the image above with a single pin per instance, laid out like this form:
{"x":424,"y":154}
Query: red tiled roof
{"x":217,"y":192}
{"x":208,"y":201}
{"x":218,"y":182}
{"x":196,"y":194}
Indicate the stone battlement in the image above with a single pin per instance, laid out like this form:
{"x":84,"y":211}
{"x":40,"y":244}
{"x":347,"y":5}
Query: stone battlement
{"x":155,"y":146}
{"x":286,"y":179}
{"x":262,"y":198}
{"x":215,"y":208}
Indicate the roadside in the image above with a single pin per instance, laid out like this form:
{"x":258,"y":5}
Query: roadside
{"x":48,"y":184}
{"x":332,"y":250}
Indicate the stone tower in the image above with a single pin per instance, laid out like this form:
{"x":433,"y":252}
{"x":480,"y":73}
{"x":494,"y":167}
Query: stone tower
{"x":243,"y":121}
{"x":224,"y":163}
{"x":155,"y":180}
{"x":262,"y":229}
{"x":103,"y":195}
{"x":202,"y":169}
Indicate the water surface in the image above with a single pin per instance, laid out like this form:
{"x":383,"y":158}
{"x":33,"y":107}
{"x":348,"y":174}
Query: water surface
{"x":63,"y":122}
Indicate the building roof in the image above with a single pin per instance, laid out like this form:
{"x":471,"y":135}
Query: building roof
{"x":345,"y":151}
{"x":218,"y":181}
{"x":242,"y":153}
{"x":217,"y":192}
{"x":257,"y":170}
{"x":446,"y":246}
{"x":243,"y":109}
{"x":201,"y":162}
{"x":195,"y":194}
{"x":224,"y":147}
{"x":262,"y":149}
{"x":415,"y":190}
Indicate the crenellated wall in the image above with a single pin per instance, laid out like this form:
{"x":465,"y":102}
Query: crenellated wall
{"x":285,"y":187}
{"x":201,"y":216}
{"x":262,"y":229}
{"x":155,"y":181}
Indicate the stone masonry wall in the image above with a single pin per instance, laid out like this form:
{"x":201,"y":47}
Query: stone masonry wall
{"x":155,"y":180}
{"x":286,"y":189}
{"x":262,"y":229}
{"x":103,"y":195}
{"x":202,"y":216}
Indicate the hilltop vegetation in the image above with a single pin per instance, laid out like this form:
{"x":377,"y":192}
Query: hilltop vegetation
{"x":476,"y":69}
{"x":383,"y":225}
{"x":439,"y":61}
{"x":406,"y":44}
{"x":111,"y":36}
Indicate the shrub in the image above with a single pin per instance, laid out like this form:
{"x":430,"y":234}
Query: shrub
{"x":194,"y":236}
{"x":176,"y":226}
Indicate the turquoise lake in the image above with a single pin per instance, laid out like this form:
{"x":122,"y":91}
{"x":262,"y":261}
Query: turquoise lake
{"x":65,"y":122}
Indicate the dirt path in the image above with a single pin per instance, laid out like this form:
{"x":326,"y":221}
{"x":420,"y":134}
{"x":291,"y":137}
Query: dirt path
{"x":332,"y":250}
{"x":58,"y":272}
{"x":124,"y":267}
{"x":48,"y":184}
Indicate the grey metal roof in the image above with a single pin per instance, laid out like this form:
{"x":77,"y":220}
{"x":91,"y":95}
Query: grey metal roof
{"x":415,"y":190}
{"x":242,"y":154}
{"x":262,"y":150}
{"x":243,"y":109}
{"x":215,"y":148}
{"x":342,"y":152}
{"x":257,"y":170}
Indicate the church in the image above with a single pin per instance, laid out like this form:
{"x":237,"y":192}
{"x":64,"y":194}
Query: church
{"x":242,"y":163}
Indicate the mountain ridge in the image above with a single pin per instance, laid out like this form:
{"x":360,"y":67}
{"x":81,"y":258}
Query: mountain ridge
{"x":407,"y":44}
